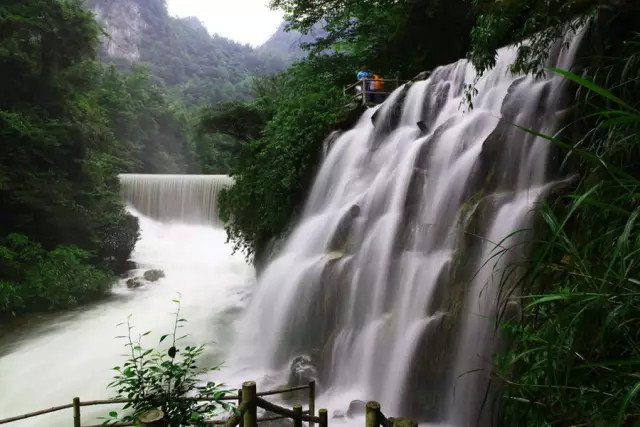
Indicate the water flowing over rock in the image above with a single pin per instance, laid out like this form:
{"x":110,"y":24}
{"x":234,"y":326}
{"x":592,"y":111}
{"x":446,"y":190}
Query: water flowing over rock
{"x":191,"y":199}
{"x":425,"y":218}
{"x":153,"y":275}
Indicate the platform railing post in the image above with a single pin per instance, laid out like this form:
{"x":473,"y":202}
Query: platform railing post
{"x":364,"y":91}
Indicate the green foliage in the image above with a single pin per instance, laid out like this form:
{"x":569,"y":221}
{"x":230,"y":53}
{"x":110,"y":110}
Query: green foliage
{"x":59,"y":160}
{"x":535,"y":25}
{"x":168,"y":378}
{"x":41,"y":279}
{"x":195,"y":67}
{"x":150,"y":133}
{"x":389,"y":36}
{"x":575,"y":355}
{"x":273,"y":172}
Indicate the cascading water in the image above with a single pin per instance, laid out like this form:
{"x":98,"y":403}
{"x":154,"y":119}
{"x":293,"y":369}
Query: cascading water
{"x":191,"y":199}
{"x":46,"y":360}
{"x":386,"y":284}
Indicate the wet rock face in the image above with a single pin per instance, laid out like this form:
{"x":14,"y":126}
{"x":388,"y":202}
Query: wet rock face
{"x":153,"y":275}
{"x":356,"y":407}
{"x":124,"y":23}
{"x":301,"y":371}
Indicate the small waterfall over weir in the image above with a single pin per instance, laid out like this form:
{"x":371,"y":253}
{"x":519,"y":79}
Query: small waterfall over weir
{"x":189,"y":199}
{"x":389,"y":282}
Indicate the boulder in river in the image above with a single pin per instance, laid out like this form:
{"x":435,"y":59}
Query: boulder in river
{"x":134,"y":282}
{"x":356,"y":407}
{"x":153,"y":275}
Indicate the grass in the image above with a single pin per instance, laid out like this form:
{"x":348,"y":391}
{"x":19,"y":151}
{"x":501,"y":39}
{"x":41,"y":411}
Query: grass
{"x":574,"y":354}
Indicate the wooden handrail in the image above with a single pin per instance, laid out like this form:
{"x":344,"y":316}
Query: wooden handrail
{"x":286,"y":390}
{"x":276,"y":409}
{"x":120,"y":401}
{"x":36,"y":413}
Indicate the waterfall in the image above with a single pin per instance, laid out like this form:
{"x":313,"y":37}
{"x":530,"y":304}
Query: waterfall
{"x":390,"y":281}
{"x":191,"y":199}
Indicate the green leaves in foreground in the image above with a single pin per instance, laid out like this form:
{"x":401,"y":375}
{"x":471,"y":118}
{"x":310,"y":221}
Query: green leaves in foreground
{"x":575,"y":357}
{"x":166,"y":378}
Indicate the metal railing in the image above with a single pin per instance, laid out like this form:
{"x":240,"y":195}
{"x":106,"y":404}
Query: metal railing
{"x":371,"y":96}
{"x":245,"y":414}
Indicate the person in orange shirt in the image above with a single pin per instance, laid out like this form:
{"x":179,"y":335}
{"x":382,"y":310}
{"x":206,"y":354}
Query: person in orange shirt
{"x":377,"y":85}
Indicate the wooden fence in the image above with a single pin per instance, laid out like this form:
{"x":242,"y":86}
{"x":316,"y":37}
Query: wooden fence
{"x":245,"y":414}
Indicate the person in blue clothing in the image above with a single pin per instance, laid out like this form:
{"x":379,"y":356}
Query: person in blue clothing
{"x":364,"y":73}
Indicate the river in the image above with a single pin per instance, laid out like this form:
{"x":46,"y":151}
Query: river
{"x":46,"y":360}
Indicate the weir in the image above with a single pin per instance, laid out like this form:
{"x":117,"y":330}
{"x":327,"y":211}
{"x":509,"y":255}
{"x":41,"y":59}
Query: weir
{"x":190,"y":199}
{"x":396,"y":262}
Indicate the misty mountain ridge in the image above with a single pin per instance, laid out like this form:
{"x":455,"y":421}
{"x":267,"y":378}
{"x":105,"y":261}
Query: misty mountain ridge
{"x":182,"y":56}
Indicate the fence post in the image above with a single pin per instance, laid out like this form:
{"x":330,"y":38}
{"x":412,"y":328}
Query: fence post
{"x":241,"y":423}
{"x":249,"y":396}
{"x":312,"y":401}
{"x":371,"y":414}
{"x":364,"y":91}
{"x":76,"y":412}
{"x":322,"y":413}
{"x":297,"y":419}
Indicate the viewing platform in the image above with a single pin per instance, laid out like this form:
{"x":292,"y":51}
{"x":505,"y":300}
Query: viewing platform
{"x":362,"y":94}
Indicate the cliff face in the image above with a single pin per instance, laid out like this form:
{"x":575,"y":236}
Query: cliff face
{"x":124,"y":24}
{"x":180,"y":53}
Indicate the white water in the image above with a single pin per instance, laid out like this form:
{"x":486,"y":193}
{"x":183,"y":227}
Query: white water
{"x":384,"y":283}
{"x":191,"y":199}
{"x":50,"y":359}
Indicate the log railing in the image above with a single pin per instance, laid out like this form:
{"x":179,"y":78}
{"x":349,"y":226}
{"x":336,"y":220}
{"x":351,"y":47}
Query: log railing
{"x":244,"y":414}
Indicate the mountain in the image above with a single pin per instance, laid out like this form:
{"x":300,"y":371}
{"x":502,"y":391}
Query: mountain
{"x":180,"y":53}
{"x":287,"y":43}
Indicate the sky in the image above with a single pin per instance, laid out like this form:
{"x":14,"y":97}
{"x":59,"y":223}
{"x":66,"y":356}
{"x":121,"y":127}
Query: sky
{"x":245,"y":21}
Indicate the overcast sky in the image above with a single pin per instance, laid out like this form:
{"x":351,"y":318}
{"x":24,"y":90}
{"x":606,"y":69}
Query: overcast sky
{"x":246,"y":21}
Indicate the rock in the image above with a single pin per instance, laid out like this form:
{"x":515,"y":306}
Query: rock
{"x":356,"y":407}
{"x":153,"y":275}
{"x":338,"y":414}
{"x":134,"y":282}
{"x":301,"y":371}
{"x":424,"y":75}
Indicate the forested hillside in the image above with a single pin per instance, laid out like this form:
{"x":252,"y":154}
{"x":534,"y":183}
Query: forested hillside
{"x":195,"y":67}
{"x":289,"y":43}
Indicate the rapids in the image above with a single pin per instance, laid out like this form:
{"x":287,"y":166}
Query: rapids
{"x":47,"y":360}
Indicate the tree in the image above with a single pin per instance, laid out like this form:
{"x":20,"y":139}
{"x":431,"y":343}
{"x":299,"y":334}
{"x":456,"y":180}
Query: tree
{"x":390,"y":36}
{"x":58,"y":175}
